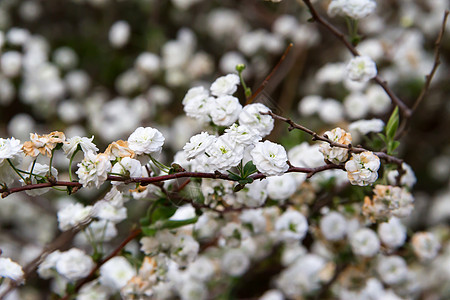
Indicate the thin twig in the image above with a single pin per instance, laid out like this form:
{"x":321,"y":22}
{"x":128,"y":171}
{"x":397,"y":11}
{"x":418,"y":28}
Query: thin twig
{"x":437,"y":62}
{"x":317,"y":137}
{"x":405,"y":110}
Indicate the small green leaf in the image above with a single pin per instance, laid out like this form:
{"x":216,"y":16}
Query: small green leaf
{"x":233,"y":176}
{"x":162,"y":213}
{"x":238,"y":187}
{"x":149,"y":231}
{"x":249,"y":168}
{"x":392,"y":125}
{"x":144,"y":221}
{"x":172,"y":224}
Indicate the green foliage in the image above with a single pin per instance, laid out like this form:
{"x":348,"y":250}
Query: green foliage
{"x":390,"y":130}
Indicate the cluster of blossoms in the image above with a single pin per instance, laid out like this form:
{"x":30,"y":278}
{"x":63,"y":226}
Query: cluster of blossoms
{"x":197,"y":237}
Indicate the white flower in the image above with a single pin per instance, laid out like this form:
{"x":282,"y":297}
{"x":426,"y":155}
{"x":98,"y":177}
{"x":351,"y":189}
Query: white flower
{"x":254,"y":218}
{"x":184,"y":249}
{"x":93,"y":170}
{"x":291,"y":225}
{"x":425,"y":245}
{"x":242,"y":134}
{"x":281,"y":187}
{"x":10,"y":269}
{"x":74,"y":264}
{"x":392,"y":269}
{"x":93,"y":291}
{"x":365,"y":242}
{"x":356,"y":105}
{"x":119,"y":34}
{"x":225,"y":110}
{"x":11,"y":63}
{"x":192,"y":289}
{"x":46,"y":268}
{"x":198,"y":144}
{"x":254,"y":194}
{"x":41,"y":170}
{"x":104,"y":210}
{"x":365,"y":126}
{"x":197,"y":104}
{"x":201,"y":269}
{"x":361,"y":68}
{"x":116,"y":272}
{"x":225,"y":85}
{"x":146,"y":140}
{"x":362,"y":168}
{"x":336,"y":155}
{"x":270,"y":158}
{"x":356,"y":9}
{"x":127,"y":167}
{"x":148,"y":63}
{"x":85,"y":144}
{"x":224,"y":153}
{"x":388,"y":201}
{"x":309,"y":105}
{"x":379,"y":101}
{"x":333,"y":226}
{"x":407,"y":179}
{"x":331,"y":111}
{"x":235,"y":262}
{"x":251,"y":116}
{"x":392,"y":233}
{"x":72,"y":215}
{"x":9,"y":148}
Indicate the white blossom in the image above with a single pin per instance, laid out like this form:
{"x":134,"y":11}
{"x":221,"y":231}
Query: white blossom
{"x":235,"y":262}
{"x":425,"y":245}
{"x":251,"y":116}
{"x":361,"y":68}
{"x":356,"y":9}
{"x":392,"y":269}
{"x":9,"y":148}
{"x":85,"y":144}
{"x":73,"y":215}
{"x":116,"y":272}
{"x":74,"y":264}
{"x":148,"y":63}
{"x":46,"y":268}
{"x":336,"y":155}
{"x":11,"y":63}
{"x":224,"y":153}
{"x":270,"y":158}
{"x":281,"y":187}
{"x":291,"y":225}
{"x":225,"y":110}
{"x":119,"y":34}
{"x":365,"y":242}
{"x":333,"y":226}
{"x":242,"y":134}
{"x":146,"y":140}
{"x":11,"y":269}
{"x":392,"y":233}
{"x":408,"y":178}
{"x":41,"y":171}
{"x":225,"y":85}
{"x":93,"y":170}
{"x":362,"y":168}
{"x":310,"y":105}
{"x":105,"y":210}
{"x":184,"y":249}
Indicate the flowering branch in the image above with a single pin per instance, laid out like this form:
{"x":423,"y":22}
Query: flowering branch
{"x":317,"y":137}
{"x":406,"y":111}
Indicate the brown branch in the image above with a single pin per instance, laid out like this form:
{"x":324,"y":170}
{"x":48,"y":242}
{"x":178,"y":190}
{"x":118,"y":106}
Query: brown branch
{"x":405,"y":110}
{"x":317,"y":137}
{"x":437,"y":62}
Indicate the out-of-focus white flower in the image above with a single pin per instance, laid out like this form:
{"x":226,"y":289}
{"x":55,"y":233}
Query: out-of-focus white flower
{"x":74,"y":264}
{"x":193,"y":289}
{"x":378,"y":100}
{"x":302,"y":277}
{"x":84,"y":143}
{"x":11,"y":269}
{"x":361,"y":68}
{"x":392,"y":233}
{"x":198,"y":144}
{"x":18,"y":36}
{"x":146,"y":140}
{"x":9,"y":148}
{"x":356,"y":9}
{"x":225,"y":85}
{"x":7,"y":91}
{"x":65,"y":57}
{"x":333,"y":226}
{"x":254,"y":218}
{"x":93,"y":170}
{"x":270,"y":158}
{"x":281,"y":187}
{"x":291,"y":225}
{"x":363,"y":127}
{"x":331,"y":111}
{"x":105,"y":210}
{"x":392,"y":269}
{"x":225,"y":110}
{"x":336,"y":155}
{"x":331,"y":73}
{"x":149,"y":63}
{"x":254,"y":194}
{"x":408,"y":178}
{"x":46,"y":268}
{"x":78,"y":82}
{"x":362,"y":168}
{"x":309,"y":105}
{"x":425,"y":245}
{"x":72,"y":215}
{"x":235,"y":262}
{"x":93,"y":291}
{"x":184,"y":249}
{"x":365,"y":242}
{"x":119,"y":34}
{"x":11,"y":63}
{"x":388,"y":201}
{"x":116,"y":272}
{"x":272,"y":295}
{"x":230,"y":60}
{"x":356,"y":106}
{"x":251,"y":117}
{"x":201,"y":269}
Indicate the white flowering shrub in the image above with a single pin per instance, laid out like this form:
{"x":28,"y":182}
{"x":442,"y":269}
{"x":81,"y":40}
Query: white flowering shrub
{"x":144,"y":151}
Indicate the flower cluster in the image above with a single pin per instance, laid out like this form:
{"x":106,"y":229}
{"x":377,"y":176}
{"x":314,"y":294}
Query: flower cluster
{"x":336,"y":155}
{"x":362,"y":168}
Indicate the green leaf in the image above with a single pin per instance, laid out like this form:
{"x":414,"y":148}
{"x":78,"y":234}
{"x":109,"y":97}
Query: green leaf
{"x":238,"y":187}
{"x":149,"y":231}
{"x":234,"y":176}
{"x":163,"y":213}
{"x":392,"y":125}
{"x":249,"y":168}
{"x":171,"y":224}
